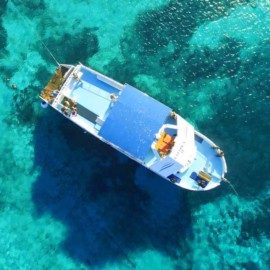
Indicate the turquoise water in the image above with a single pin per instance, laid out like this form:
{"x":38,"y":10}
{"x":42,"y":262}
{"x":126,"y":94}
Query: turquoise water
{"x":67,"y":201}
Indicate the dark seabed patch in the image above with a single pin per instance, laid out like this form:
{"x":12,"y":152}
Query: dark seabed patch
{"x":86,"y":45}
{"x":2,"y":30}
{"x":90,"y":188}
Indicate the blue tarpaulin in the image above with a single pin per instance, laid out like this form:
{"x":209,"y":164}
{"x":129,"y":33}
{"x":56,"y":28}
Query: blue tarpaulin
{"x":134,"y":121}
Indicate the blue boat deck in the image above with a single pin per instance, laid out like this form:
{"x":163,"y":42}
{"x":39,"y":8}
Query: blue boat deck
{"x":133,"y":122}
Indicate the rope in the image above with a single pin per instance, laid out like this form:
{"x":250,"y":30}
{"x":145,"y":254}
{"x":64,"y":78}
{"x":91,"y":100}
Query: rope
{"x":49,"y":51}
{"x":133,"y":265}
{"x":35,"y":32}
{"x":231,"y":185}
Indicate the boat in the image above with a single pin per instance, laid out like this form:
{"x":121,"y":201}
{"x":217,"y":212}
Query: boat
{"x":136,"y":125}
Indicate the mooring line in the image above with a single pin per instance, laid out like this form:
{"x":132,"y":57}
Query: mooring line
{"x":35,"y":32}
{"x":120,"y":248}
{"x":231,"y":185}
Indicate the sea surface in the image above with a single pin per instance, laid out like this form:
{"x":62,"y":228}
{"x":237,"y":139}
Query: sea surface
{"x":67,"y":201}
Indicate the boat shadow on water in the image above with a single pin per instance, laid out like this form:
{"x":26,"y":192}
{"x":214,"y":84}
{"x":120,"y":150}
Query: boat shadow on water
{"x":111,"y":206}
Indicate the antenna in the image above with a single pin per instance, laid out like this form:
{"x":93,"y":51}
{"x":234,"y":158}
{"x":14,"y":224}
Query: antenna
{"x":231,"y":185}
{"x":49,"y":52}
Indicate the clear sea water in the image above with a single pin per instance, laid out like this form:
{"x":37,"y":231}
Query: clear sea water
{"x":67,"y":201}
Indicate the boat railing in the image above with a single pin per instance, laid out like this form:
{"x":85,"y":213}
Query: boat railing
{"x":125,"y":152}
{"x":224,"y":165}
{"x":109,"y":81}
{"x":68,"y":80}
{"x":68,"y":73}
{"x":105,"y":79}
{"x":98,"y":92}
{"x":152,"y":161}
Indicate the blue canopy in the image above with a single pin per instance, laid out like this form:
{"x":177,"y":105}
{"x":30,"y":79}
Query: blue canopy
{"x":134,"y":121}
